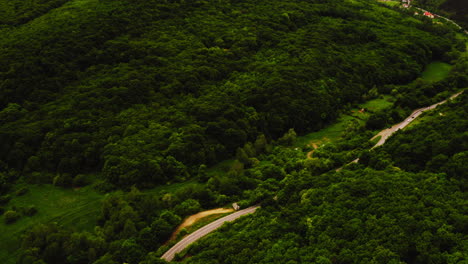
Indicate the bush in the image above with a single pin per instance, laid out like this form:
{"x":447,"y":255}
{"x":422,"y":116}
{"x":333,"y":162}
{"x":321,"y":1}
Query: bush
{"x":11,"y":216}
{"x":30,"y":211}
{"x":188,"y":207}
{"x":4,"y":199}
{"x":22,"y":191}
{"x":104,"y":187}
{"x":63,"y":180}
{"x":80,"y":180}
{"x":41,"y":177}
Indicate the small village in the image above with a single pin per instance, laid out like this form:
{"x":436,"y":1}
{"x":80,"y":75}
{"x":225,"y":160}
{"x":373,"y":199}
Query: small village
{"x":407,"y":4}
{"x":421,"y":12}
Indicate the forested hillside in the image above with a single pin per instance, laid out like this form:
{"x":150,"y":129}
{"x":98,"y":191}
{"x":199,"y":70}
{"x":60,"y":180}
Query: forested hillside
{"x":16,"y":12}
{"x":120,"y":118}
{"x":376,"y":214}
{"x":143,"y":92}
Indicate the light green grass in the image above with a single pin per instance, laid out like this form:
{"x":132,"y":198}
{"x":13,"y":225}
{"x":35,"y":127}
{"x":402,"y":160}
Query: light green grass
{"x":335,"y":131}
{"x":73,"y":208}
{"x":221,"y":168}
{"x":390,"y":3}
{"x":329,"y":133}
{"x":378,"y":104}
{"x":436,"y":71}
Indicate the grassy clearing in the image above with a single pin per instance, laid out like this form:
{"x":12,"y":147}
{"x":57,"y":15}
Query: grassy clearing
{"x":76,"y":209}
{"x":221,"y":168}
{"x":73,"y":208}
{"x":329,"y":133}
{"x":390,"y":3}
{"x":436,"y":71}
{"x":378,"y":104}
{"x":335,"y":131}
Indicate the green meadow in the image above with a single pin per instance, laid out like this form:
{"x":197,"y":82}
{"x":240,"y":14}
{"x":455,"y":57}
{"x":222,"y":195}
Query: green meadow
{"x":436,"y":71}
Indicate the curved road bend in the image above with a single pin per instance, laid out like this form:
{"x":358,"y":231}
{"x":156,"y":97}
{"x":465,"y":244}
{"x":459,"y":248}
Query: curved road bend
{"x":447,"y":19}
{"x":386,"y":133}
{"x":181,"y":245}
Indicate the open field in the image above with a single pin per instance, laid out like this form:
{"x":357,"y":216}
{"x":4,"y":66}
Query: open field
{"x":335,"y":130}
{"x":436,"y":71}
{"x":73,"y":208}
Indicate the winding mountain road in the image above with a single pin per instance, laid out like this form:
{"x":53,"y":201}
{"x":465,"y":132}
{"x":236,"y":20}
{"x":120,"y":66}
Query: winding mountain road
{"x":181,"y":245}
{"x":446,"y":19}
{"x":386,"y":133}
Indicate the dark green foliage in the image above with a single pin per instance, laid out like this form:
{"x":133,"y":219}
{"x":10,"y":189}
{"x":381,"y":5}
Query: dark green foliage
{"x":146,"y":93}
{"x":437,"y":146}
{"x":30,"y":211}
{"x":15,"y":12}
{"x":349,"y":217}
{"x":160,"y":87}
{"x":80,"y":180}
{"x":11,"y":216}
{"x":4,"y":199}
{"x":380,"y":214}
{"x":21,"y":191}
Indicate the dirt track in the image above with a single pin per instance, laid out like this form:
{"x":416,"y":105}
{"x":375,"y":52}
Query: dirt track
{"x":194,"y":218}
{"x":309,"y":154}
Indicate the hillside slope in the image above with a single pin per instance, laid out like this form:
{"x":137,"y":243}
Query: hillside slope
{"x":146,"y":91}
{"x":371,"y":213}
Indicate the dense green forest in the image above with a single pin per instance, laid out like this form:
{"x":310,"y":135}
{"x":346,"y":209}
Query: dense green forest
{"x":149,"y":111}
{"x":373,"y":212}
{"x":144,"y":92}
{"x":382,"y":210}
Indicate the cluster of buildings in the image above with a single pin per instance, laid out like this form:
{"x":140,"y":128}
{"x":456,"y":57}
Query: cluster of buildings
{"x":407,"y":4}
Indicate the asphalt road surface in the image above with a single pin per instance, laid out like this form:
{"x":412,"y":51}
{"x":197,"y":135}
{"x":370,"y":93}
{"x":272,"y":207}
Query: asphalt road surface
{"x":386,"y":133}
{"x":177,"y":248}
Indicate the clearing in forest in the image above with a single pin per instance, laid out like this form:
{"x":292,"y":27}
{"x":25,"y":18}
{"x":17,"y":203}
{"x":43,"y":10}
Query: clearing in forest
{"x":436,"y":71}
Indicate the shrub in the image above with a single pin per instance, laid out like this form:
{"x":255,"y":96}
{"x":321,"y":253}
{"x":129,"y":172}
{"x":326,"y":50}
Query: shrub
{"x":63,"y":180}
{"x":80,"y":180}
{"x":4,"y":199}
{"x":30,"y":211}
{"x":41,"y":177}
{"x":22,"y":191}
{"x":11,"y":216}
